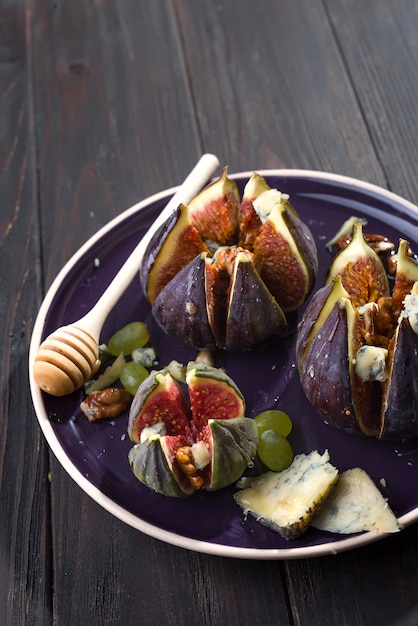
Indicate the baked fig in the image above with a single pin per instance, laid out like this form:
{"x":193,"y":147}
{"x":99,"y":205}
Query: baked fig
{"x":215,"y":211}
{"x":250,"y":222}
{"x":357,"y":344}
{"x":253,"y":314}
{"x":285,"y":250}
{"x":219,"y":302}
{"x":223,"y":273}
{"x":204,"y":442}
{"x":181,"y":308}
{"x":400,"y":389}
{"x":174,"y":245}
{"x":361,"y":269}
{"x":326,"y":358}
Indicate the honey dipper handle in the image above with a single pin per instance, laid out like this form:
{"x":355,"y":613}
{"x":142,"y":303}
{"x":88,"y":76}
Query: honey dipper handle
{"x":93,"y":321}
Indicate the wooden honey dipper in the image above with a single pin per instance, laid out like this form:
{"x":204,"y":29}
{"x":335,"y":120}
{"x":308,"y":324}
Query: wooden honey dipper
{"x":67,"y":358}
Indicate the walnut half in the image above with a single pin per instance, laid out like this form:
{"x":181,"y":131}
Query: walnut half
{"x":109,"y":403}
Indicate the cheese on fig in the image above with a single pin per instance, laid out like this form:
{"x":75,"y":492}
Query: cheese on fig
{"x":153,"y":432}
{"x":267,"y":201}
{"x":410,"y":311}
{"x":201,"y":455}
{"x":370,"y":363}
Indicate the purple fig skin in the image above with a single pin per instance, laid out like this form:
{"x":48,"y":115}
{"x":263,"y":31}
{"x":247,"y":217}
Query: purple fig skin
{"x":308,"y":321}
{"x":325,"y":376}
{"x":155,"y":246}
{"x":253,"y":314}
{"x":150,"y":466}
{"x":306,"y":243}
{"x":400,"y":396}
{"x":180,"y":308}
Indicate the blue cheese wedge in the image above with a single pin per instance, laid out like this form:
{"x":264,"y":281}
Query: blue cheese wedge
{"x":356,"y":505}
{"x":286,"y":501}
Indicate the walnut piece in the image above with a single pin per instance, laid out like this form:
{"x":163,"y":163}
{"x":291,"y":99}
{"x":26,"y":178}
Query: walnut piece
{"x":109,"y":403}
{"x":379,"y":322}
{"x":184,"y":458}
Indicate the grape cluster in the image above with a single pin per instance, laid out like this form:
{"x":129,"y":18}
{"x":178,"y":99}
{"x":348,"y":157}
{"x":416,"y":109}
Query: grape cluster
{"x":274,"y":449}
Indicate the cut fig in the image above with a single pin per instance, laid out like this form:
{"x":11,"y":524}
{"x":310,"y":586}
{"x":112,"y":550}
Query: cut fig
{"x":285,"y":251}
{"x":180,"y":308}
{"x":406,"y":274}
{"x":326,"y":359}
{"x":174,"y":245}
{"x":253,"y":313}
{"x":357,"y":345}
{"x":259,"y":261}
{"x":158,"y":399}
{"x":400,"y":389}
{"x":204,"y":442}
{"x":250,"y":223}
{"x":219,"y":302}
{"x":155,"y":468}
{"x":361,"y":269}
{"x":215,"y":211}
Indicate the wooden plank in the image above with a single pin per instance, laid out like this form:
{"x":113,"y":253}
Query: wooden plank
{"x":360,"y":587}
{"x":108,"y":573}
{"x":271,"y":89}
{"x":379,"y":44}
{"x":109,"y":85}
{"x":25,"y":591}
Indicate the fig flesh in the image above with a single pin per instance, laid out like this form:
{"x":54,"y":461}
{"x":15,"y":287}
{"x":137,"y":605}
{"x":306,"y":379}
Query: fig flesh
{"x":357,"y":344}
{"x":183,"y":445}
{"x":224,"y":273}
{"x":174,"y":245}
{"x":215,"y":211}
{"x":285,"y":251}
{"x":361,"y":270}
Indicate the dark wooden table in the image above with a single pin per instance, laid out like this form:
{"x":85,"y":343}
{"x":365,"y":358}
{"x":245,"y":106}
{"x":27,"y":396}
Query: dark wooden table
{"x":101,"y":104}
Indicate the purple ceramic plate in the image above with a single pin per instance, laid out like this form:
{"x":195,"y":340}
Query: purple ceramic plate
{"x":95,"y":454}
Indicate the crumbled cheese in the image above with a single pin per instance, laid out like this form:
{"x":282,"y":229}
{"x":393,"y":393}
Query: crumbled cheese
{"x":370,"y":363}
{"x":201,"y":455}
{"x":153,"y":432}
{"x":266,"y":201}
{"x":145,"y":356}
{"x":410,"y":311}
{"x":369,"y":305}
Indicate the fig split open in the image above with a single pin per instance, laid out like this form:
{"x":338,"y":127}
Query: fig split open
{"x":224,"y":271}
{"x":187,"y":442}
{"x":357,"y":343}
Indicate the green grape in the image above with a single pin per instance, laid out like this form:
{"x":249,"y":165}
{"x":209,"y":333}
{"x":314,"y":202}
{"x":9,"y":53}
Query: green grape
{"x":132,"y":375}
{"x":274,"y":420}
{"x":274,"y":450}
{"x":127,"y":339}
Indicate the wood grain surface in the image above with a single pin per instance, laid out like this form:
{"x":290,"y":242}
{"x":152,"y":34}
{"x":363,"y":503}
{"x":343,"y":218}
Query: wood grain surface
{"x":103,"y":103}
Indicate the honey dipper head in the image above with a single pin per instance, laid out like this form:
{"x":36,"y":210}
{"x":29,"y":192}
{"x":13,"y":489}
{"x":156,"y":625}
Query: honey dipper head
{"x":65,"y":360}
